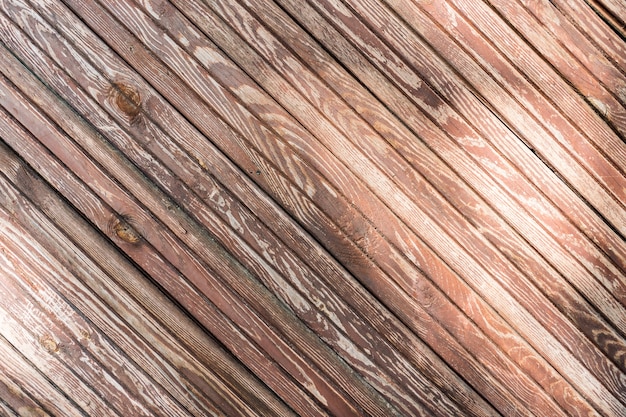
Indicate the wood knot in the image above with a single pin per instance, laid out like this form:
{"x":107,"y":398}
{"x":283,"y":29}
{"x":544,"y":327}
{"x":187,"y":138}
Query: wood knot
{"x":123,"y":229}
{"x":48,"y":343}
{"x":127,"y":99}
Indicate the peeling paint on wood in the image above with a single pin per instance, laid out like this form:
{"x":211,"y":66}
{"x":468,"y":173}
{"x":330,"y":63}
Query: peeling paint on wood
{"x":312,"y":207}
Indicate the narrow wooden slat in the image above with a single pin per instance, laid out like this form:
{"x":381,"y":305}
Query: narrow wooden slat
{"x":17,"y":367}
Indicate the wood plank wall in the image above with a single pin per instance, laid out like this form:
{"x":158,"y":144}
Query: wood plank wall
{"x":312,"y":207}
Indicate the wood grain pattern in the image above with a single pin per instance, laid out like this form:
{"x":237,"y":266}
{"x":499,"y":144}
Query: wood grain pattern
{"x":312,"y":207}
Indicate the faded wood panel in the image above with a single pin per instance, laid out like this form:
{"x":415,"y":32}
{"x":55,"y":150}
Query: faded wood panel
{"x":183,"y":369}
{"x":371,"y":205}
{"x":194,"y":207}
{"x":90,"y":203}
{"x":192,"y":264}
{"x":430,"y":227}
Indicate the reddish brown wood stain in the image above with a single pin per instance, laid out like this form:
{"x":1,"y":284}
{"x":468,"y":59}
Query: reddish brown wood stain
{"x":337,"y":208}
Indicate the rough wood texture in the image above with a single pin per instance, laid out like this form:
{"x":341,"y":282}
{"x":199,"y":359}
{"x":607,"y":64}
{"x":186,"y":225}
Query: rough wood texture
{"x":312,"y":207}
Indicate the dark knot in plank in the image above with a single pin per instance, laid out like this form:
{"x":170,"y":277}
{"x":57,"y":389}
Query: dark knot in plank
{"x":127,"y":99}
{"x":124,"y":230}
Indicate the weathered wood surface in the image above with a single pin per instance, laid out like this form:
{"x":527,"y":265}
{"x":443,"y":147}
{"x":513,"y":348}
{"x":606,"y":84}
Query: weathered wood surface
{"x":315,"y":208}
